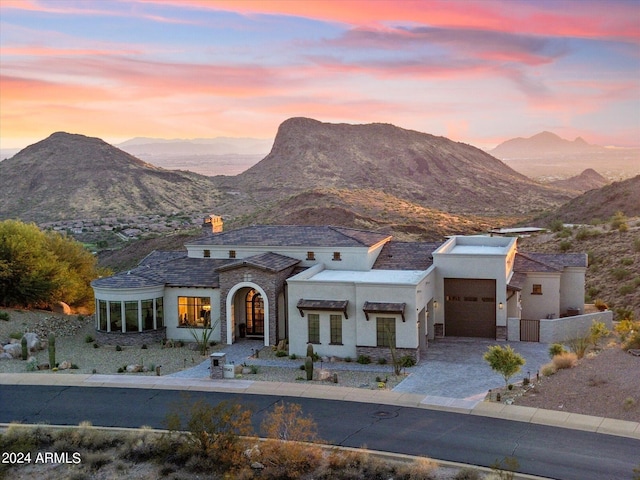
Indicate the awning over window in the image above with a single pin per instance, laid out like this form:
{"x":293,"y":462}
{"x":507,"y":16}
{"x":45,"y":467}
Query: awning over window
{"x":331,"y":305}
{"x":383,"y":307}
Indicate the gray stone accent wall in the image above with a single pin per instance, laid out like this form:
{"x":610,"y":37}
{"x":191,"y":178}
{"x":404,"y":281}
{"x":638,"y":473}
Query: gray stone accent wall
{"x":501,"y":333}
{"x":148,"y":337}
{"x":376,"y":353}
{"x":271,"y":282}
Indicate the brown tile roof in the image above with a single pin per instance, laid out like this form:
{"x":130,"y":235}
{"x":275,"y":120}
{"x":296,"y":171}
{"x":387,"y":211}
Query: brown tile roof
{"x":270,"y":261}
{"x":548,"y":262}
{"x":293,"y":236}
{"x":517,"y":281}
{"x":330,"y":305}
{"x":406,"y":256}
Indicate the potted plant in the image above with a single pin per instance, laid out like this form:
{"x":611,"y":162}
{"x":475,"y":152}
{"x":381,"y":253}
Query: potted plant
{"x":243,"y":330}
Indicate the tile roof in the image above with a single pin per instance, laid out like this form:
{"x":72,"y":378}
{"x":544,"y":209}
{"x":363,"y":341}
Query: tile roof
{"x":330,"y":305}
{"x":293,"y":236}
{"x":383,"y":307}
{"x":548,"y":262}
{"x":175,"y":271}
{"x":273,"y":262}
{"x":517,"y":281}
{"x":406,"y":256}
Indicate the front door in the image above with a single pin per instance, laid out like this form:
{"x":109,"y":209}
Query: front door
{"x":255,"y":314}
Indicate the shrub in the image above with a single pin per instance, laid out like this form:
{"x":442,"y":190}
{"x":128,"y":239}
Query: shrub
{"x":118,"y":348}
{"x":626,"y":261}
{"x":364,"y":359}
{"x":626,"y":326}
{"x":633,"y":341}
{"x":293,"y":356}
{"x":467,"y":473}
{"x":586,"y":233}
{"x":556,"y":226}
{"x":144,"y":346}
{"x":347,"y":359}
{"x":565,"y":245}
{"x":624,"y":313}
{"x":626,"y":289}
{"x":16,"y":335}
{"x":564,"y":360}
{"x":636,"y":244}
{"x":579,"y":345}
{"x":597,"y":331}
{"x":88,"y":339}
{"x":600,"y":304}
{"x":504,"y":361}
{"x":564,"y":233}
{"x":620,"y":273}
{"x":618,"y":220}
{"x":556,"y":349}
{"x":382,"y":361}
{"x":95,"y":345}
{"x":407,"y":361}
{"x":5,"y":316}
{"x":281,"y":353}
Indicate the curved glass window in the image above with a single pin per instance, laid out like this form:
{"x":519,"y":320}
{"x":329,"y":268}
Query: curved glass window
{"x":131,"y":316}
{"x":147,"y":314}
{"x":115,"y":316}
{"x":102,"y":315}
{"x":109,"y":315}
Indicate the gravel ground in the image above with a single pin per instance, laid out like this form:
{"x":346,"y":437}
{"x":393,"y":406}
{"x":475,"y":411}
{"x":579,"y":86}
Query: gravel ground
{"x":72,"y":347}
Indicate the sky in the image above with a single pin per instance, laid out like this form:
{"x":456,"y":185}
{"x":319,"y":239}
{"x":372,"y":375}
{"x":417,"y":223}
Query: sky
{"x":475,"y":71}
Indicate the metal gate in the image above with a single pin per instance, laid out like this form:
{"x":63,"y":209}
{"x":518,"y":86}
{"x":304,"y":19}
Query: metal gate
{"x":529,"y":330}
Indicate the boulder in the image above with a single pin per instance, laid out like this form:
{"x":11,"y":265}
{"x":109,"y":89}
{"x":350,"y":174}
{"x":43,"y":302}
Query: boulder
{"x":324,"y":375}
{"x":66,"y":365}
{"x":62,"y":307}
{"x":5,"y":356}
{"x":134,"y":368}
{"x":13,"y":349}
{"x":43,"y":366}
{"x":33,"y":341}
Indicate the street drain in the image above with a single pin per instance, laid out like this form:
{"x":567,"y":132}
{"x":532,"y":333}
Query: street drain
{"x":385,"y":414}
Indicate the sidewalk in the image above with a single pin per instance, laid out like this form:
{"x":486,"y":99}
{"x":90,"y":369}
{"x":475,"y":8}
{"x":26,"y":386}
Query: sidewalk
{"x":302,"y":389}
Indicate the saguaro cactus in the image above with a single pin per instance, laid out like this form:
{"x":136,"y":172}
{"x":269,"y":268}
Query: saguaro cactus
{"x":308,"y":367}
{"x":310,"y":350}
{"x":25,"y":350}
{"x":52,"y":350}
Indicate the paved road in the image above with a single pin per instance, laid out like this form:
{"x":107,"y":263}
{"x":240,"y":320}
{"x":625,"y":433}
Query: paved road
{"x":541,"y":450}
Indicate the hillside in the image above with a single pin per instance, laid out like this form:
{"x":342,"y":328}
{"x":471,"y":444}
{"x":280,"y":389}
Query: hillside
{"x":599,"y":204}
{"x":69,"y":176}
{"x":587,"y":180}
{"x":417,"y":167}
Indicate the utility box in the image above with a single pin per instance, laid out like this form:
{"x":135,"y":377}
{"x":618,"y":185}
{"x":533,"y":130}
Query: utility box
{"x":229,"y":370}
{"x":218,"y":361}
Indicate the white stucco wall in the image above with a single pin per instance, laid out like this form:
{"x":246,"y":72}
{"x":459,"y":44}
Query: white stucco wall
{"x":562,"y":329}
{"x":572,"y":282}
{"x":171,"y":295}
{"x":540,"y":306}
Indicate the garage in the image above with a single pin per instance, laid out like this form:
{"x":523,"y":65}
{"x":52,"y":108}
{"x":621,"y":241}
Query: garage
{"x":470,"y":307}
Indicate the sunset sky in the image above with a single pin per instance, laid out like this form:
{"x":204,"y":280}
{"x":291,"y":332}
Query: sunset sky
{"x":479,"y":71}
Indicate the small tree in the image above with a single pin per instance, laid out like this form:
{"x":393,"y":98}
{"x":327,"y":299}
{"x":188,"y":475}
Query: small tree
{"x":504,"y":361}
{"x":597,"y":331}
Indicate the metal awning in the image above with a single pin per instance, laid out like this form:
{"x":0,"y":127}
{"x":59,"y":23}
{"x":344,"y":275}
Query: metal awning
{"x":331,"y":305}
{"x":383,"y":307}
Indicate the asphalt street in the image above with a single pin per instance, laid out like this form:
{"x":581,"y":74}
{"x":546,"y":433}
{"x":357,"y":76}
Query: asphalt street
{"x":477,"y":440}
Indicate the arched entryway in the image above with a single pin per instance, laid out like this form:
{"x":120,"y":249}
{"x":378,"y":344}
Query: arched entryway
{"x":247,"y":312}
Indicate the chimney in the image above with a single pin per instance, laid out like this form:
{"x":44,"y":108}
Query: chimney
{"x":212,"y":224}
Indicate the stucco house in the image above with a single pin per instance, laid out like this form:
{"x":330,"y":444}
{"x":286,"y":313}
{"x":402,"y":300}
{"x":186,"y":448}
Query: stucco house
{"x":349,"y":292}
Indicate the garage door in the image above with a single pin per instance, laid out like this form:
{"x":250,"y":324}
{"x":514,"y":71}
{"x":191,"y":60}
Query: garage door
{"x":470,"y":307}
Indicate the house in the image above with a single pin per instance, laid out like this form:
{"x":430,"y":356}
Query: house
{"x":350,"y":292}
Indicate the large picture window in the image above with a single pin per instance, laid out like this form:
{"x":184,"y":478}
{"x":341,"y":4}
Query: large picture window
{"x":102,"y":315}
{"x":336,"y":329}
{"x":115,"y":315}
{"x":159,"y":312}
{"x":147,"y":314}
{"x":194,"y":312}
{"x":385,"y":332}
{"x":313,"y":320}
{"x":131,"y":316}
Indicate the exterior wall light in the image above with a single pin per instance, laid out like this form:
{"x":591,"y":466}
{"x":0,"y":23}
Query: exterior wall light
{"x":500,"y":305}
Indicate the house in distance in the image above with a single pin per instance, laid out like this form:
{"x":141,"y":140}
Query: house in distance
{"x":349,"y":292}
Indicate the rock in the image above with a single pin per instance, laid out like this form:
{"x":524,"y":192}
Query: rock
{"x":5,"y":356}
{"x":257,"y":466}
{"x":13,"y":349}
{"x":62,"y":307}
{"x":333,"y":359}
{"x":246,"y":370}
{"x":134,"y":368}
{"x":66,"y":365}
{"x":324,"y":375}
{"x":33,"y":341}
{"x":325,"y":359}
{"x":43,"y":366}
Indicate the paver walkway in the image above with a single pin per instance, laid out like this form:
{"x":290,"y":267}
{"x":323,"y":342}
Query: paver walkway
{"x":453,"y":371}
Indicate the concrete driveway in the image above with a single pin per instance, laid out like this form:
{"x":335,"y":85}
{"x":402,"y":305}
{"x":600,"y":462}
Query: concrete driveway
{"x":453,"y":368}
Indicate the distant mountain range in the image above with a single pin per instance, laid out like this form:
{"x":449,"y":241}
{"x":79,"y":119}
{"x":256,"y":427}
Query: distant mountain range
{"x":547,"y":157}
{"x":374,"y":176}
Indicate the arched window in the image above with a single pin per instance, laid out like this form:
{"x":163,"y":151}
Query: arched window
{"x":255,"y":313}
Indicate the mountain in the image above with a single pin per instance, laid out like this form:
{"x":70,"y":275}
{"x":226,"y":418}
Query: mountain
{"x":587,"y":180}
{"x":68,"y":176}
{"x":428,"y":170}
{"x":545,"y":143}
{"x":601,"y":203}
{"x":547,"y":157}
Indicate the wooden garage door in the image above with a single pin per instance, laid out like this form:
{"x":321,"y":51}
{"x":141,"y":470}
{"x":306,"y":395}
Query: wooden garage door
{"x":470,"y":307}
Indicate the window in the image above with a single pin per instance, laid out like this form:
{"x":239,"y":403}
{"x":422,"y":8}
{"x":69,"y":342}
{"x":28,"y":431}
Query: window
{"x":537,"y":289}
{"x":311,"y":256}
{"x":232,"y":254}
{"x":131,"y":316}
{"x":194,"y":311}
{"x":385,"y":332}
{"x":102,"y":315}
{"x":206,"y":254}
{"x":470,"y":299}
{"x":313,"y":320}
{"x":159,"y":312}
{"x":255,"y":313}
{"x":336,"y":256}
{"x":336,"y":329}
{"x":147,"y":314}
{"x":115,"y":314}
